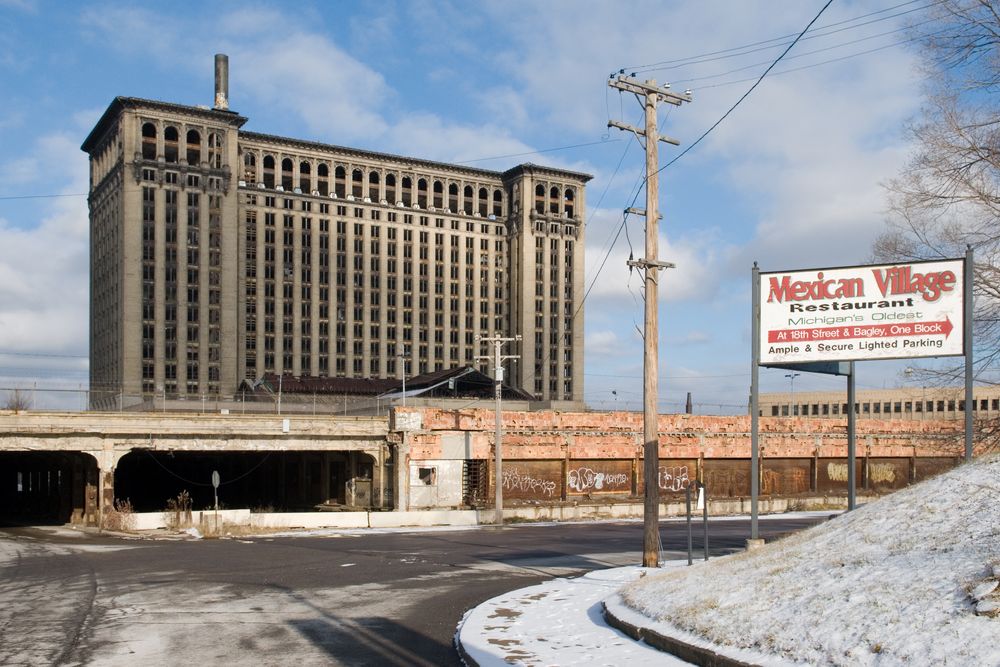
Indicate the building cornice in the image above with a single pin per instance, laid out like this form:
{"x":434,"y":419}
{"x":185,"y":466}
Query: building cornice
{"x":121,"y":104}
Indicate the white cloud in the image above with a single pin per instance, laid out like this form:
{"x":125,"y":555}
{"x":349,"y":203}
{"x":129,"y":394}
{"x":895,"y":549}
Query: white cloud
{"x":43,"y":281}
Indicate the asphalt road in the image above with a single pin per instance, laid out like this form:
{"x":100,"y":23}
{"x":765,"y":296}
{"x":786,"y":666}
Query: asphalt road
{"x":377,"y":598}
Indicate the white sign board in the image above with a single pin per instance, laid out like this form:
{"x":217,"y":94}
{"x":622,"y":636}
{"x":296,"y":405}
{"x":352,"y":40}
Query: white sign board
{"x":888,"y":311}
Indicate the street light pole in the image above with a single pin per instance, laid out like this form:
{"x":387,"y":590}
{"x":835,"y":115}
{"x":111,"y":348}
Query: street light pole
{"x":791,"y":394}
{"x":402,"y":362}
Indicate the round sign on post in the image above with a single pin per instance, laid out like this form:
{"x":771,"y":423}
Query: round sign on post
{"x":215,"y":487}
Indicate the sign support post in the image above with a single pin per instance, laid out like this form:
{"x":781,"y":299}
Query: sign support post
{"x":969,"y":400}
{"x":852,"y":450}
{"x":755,"y":406}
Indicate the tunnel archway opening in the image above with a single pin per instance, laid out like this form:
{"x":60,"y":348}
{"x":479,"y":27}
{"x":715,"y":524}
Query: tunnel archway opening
{"x":260,"y":481}
{"x":47,"y":488}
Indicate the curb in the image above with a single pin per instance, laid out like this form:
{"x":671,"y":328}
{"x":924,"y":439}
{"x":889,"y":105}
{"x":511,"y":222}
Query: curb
{"x":696,"y":655}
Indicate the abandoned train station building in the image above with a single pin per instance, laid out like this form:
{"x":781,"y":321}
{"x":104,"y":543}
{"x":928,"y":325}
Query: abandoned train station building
{"x":220,"y":255}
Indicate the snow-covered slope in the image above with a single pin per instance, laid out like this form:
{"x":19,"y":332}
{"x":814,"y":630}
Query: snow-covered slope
{"x":895,"y":582}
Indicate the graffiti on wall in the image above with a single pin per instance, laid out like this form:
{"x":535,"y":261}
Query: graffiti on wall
{"x":673,"y":478}
{"x":585,"y":479}
{"x":881,"y":473}
{"x":516,"y":479}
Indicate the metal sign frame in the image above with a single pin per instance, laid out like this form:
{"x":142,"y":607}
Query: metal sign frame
{"x":845,"y":368}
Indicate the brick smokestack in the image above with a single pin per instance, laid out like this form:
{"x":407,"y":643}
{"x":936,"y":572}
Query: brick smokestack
{"x":221,"y":81}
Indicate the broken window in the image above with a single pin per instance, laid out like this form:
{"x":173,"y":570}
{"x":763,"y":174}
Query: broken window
{"x":467,"y":203}
{"x":554,"y":200}
{"x":268,"y":171}
{"x":170,"y":145}
{"x":438,"y":194}
{"x":539,"y":198}
{"x":323,"y":180}
{"x":286,"y":174}
{"x":390,"y":188}
{"x":427,"y":476}
{"x":305,"y":177}
{"x":148,"y":141}
{"x":250,"y":168}
{"x":357,"y":183}
{"x":452,"y":198}
{"x":373,"y":186}
{"x":568,"y":202}
{"x":193,"y":148}
{"x":340,"y":182}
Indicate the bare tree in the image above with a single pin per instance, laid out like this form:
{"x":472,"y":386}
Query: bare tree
{"x":947,"y":198}
{"x":17,"y":400}
{"x":948,"y":195}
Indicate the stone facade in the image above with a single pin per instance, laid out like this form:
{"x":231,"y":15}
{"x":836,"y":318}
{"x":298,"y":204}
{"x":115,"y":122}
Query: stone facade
{"x":219,"y":254}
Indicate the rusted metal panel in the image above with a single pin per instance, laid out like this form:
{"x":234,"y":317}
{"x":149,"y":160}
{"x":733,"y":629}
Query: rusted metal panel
{"x":786,"y":477}
{"x":831,"y":475}
{"x":727,"y":477}
{"x":674,"y":475}
{"x":888,"y":473}
{"x":532,"y":480}
{"x":929,"y":467}
{"x":586,"y":476}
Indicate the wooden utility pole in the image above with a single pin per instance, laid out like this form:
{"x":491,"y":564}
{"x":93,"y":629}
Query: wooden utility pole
{"x":498,"y":359}
{"x":650,"y":94}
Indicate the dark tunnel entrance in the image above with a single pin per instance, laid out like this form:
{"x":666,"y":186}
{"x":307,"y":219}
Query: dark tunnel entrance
{"x":259,"y":481}
{"x":47,"y":488}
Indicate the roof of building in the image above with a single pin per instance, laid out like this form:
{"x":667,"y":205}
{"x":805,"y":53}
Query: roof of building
{"x":468,"y":382}
{"x":120,"y":103}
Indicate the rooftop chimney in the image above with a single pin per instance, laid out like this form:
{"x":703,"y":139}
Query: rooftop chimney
{"x":221,"y":81}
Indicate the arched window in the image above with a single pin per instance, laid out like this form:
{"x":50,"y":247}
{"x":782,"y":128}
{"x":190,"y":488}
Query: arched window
{"x":484,"y":202}
{"x":193,"y":148}
{"x":323,"y":179}
{"x":390,"y":188}
{"x":568,"y":197}
{"x":249,"y":168}
{"x":268,"y":171}
{"x":286,"y":174}
{"x":407,"y":184}
{"x":554,"y":200}
{"x":539,"y":198}
{"x":170,"y":146}
{"x":438,"y":194}
{"x":214,"y":151}
{"x":497,"y":203}
{"x":340,"y":182}
{"x":453,"y":198}
{"x":357,"y":183}
{"x":467,"y":199}
{"x":373,"y":183}
{"x":305,"y":177}
{"x":148,"y":141}
{"x":422,"y":193}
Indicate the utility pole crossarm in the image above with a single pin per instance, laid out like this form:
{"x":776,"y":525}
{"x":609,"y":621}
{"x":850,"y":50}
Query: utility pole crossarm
{"x":644,"y":88}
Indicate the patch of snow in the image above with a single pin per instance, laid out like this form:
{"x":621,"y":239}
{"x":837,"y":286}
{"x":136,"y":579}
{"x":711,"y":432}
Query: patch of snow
{"x":884,"y":585}
{"x":558,"y":622}
{"x":984,"y":589}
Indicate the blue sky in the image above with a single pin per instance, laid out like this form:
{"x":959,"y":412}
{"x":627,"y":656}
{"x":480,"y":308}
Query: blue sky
{"x":792,"y":179}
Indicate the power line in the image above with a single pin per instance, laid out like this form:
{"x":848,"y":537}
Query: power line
{"x":824,"y":62}
{"x":746,"y":94}
{"x":11,"y":197}
{"x":812,"y":53}
{"x":538,"y":152}
{"x":749,"y":48}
